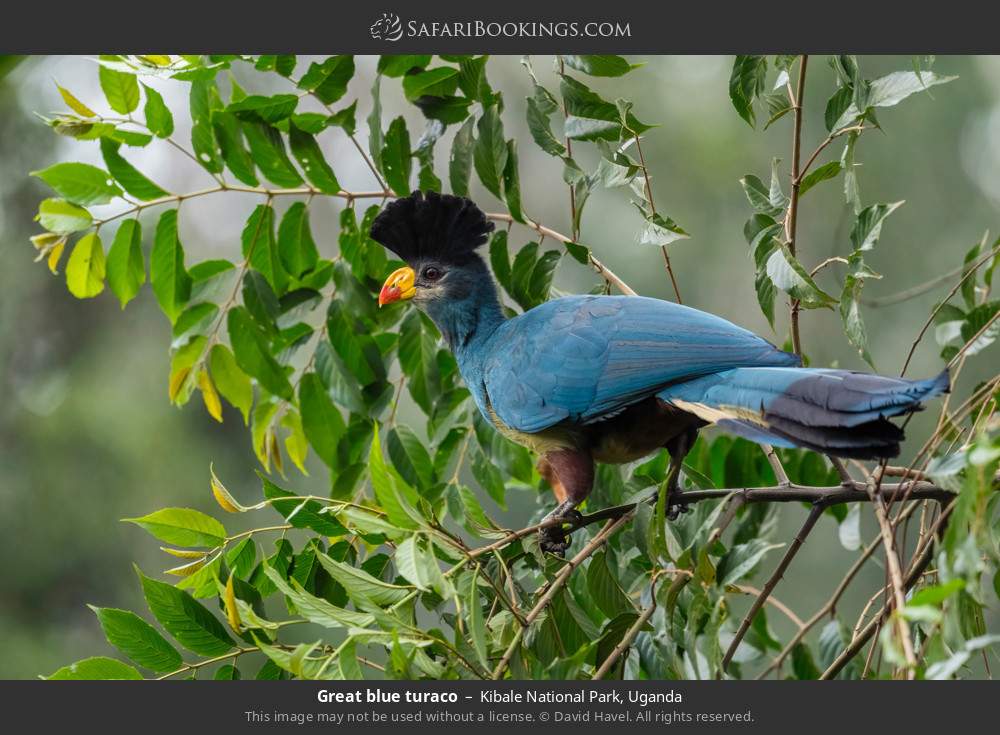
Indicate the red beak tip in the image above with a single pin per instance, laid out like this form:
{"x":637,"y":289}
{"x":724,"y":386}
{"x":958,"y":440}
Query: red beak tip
{"x":387,"y":295}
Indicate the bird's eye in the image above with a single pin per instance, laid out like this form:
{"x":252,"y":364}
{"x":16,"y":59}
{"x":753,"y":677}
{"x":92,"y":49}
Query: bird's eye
{"x":431,"y":273}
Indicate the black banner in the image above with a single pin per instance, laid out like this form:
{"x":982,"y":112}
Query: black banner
{"x":529,"y":707}
{"x":510,"y":27}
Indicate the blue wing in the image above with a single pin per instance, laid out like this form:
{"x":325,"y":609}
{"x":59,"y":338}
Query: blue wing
{"x":585,"y":358}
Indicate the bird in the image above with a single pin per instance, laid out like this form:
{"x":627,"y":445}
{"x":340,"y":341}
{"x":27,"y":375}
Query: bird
{"x":588,"y":379}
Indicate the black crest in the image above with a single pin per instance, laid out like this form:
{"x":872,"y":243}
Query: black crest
{"x":443,"y":227}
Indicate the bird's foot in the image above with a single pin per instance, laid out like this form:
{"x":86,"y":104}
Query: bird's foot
{"x":675,"y":511}
{"x":553,"y":539}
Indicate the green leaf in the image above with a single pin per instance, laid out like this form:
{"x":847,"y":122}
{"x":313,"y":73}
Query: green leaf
{"x":126,"y":267}
{"x":97,"y":667}
{"x":269,"y":109}
{"x":301,"y":513}
{"x":746,"y":83}
{"x":315,"y":609}
{"x":788,"y":274}
{"x":460,"y":163}
{"x":137,"y":639}
{"x":185,"y":618}
{"x":253,"y":356}
{"x":86,"y":267}
{"x":589,"y":117}
{"x":490,"y":151}
{"x":232,"y":383}
{"x":268,"y":151}
{"x":131,"y":179}
{"x":328,"y":80}
{"x":120,"y":88}
{"x":604,"y":589}
{"x":976,"y":321}
{"x":387,"y":489}
{"x":476,"y":624}
{"x":167,"y":274}
{"x":409,"y":456}
{"x":321,"y":421}
{"x":397,"y":161}
{"x":837,"y":105}
{"x":396,"y":65}
{"x":361,"y":585}
{"x":868,"y":227}
{"x":79,"y":183}
{"x":417,"y":565}
{"x":229,"y":135}
{"x":296,"y":247}
{"x":261,"y":250}
{"x":512,"y":183}
{"x":417,"y":352}
{"x":159,"y":119}
{"x":742,"y":560}
{"x":375,"y":138}
{"x":890,"y":90}
{"x":850,"y":307}
{"x":759,"y":196}
{"x":540,"y":108}
{"x":660,"y":230}
{"x":439,"y":82}
{"x":182,"y":527}
{"x":63,"y":218}
{"x":204,"y":101}
{"x":344,"y":119}
{"x":601,"y":65}
{"x":307,"y":152}
{"x":823,"y":173}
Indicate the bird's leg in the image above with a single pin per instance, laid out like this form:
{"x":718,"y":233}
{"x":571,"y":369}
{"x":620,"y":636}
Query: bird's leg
{"x":678,"y":448}
{"x":570,"y":472}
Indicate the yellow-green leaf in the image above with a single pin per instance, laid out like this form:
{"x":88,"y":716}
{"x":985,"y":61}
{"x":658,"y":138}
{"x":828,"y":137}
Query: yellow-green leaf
{"x":74,"y":104}
{"x":210,"y":396}
{"x":85,"y":269}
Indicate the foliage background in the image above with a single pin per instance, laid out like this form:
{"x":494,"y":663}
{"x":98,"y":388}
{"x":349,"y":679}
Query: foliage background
{"x":87,"y":435}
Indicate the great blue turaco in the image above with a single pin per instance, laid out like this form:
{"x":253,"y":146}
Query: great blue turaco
{"x":592,"y":378}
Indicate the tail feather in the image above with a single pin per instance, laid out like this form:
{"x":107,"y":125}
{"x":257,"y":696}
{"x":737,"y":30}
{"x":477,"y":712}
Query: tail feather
{"x":832,"y":411}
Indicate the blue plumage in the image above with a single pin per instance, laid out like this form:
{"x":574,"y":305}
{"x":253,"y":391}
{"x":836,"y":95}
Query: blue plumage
{"x":612,"y":378}
{"x":582,"y":358}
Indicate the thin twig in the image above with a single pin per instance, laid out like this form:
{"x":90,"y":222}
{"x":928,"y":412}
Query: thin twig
{"x":930,"y":320}
{"x":652,"y":207}
{"x":793,"y":548}
{"x":630,"y":635}
{"x":557,"y":584}
{"x":602,"y":270}
{"x":776,"y":466}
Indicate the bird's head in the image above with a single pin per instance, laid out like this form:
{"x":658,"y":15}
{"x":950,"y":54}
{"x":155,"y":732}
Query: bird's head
{"x":437,"y":236}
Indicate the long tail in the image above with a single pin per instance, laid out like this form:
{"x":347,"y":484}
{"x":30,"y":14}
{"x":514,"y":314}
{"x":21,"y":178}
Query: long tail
{"x":836,"y":412}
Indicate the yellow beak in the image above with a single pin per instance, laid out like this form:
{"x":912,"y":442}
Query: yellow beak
{"x":398,"y":287}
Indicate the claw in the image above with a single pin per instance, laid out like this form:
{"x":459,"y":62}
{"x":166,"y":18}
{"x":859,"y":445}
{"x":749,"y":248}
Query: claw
{"x":674,"y":511}
{"x":553,"y":543}
{"x":554,"y":539}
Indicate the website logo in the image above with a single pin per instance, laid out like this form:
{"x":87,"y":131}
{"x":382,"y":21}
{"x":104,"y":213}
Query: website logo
{"x":387,"y":28}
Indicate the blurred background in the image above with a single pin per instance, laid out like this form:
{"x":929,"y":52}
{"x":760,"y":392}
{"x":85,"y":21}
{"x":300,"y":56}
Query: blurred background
{"x":87,"y":435}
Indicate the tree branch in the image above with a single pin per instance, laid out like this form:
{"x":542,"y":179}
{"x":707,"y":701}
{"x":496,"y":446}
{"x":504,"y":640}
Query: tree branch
{"x":915,"y":573}
{"x":814,"y":513}
{"x":791,"y":220}
{"x":557,"y":584}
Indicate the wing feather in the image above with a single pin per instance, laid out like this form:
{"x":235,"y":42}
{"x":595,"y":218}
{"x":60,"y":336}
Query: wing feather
{"x":584,"y":358}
